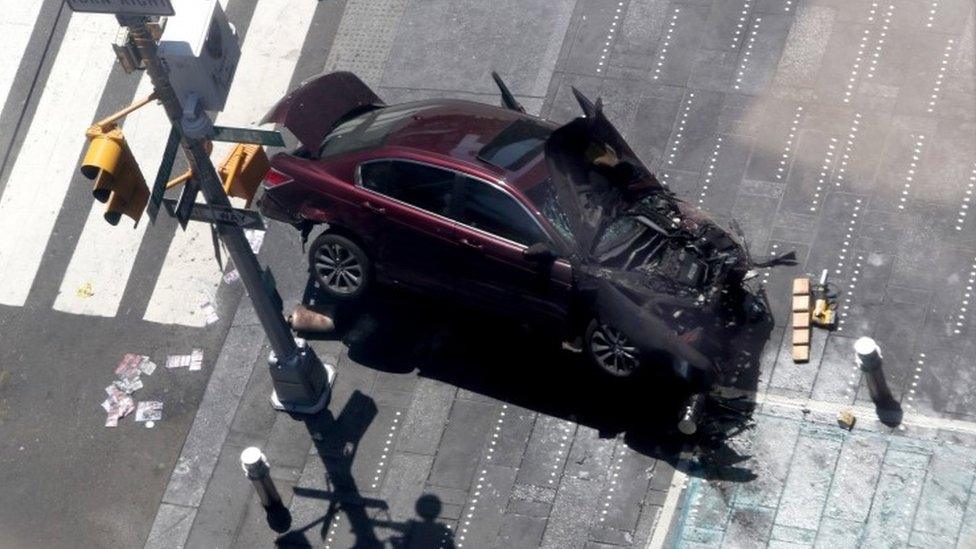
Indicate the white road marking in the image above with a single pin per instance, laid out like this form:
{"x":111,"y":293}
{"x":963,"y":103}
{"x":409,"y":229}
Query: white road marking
{"x":15,"y":32}
{"x":105,"y":254}
{"x":663,"y":523}
{"x":190,"y":274}
{"x":49,"y":157}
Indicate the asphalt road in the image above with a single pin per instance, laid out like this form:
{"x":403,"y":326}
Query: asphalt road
{"x":842,"y":130}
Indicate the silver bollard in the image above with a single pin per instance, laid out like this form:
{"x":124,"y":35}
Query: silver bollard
{"x":868,"y":357}
{"x":691,"y":414}
{"x":256,"y":467}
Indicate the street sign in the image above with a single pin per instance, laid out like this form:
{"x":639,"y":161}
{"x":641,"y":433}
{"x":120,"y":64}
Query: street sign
{"x":269,"y":138}
{"x":162,"y":176}
{"x":123,"y":7}
{"x":217,"y":214}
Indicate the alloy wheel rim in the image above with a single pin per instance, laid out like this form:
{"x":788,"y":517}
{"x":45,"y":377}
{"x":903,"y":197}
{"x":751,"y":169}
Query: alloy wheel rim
{"x":338,"y":268}
{"x":613,"y":351}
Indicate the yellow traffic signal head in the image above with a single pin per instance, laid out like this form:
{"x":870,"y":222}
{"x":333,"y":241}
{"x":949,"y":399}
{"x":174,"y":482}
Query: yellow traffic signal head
{"x":243,"y":171}
{"x":118,"y":180}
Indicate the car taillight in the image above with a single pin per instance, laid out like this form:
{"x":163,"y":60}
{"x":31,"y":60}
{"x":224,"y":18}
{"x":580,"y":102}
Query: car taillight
{"x":274,"y":178}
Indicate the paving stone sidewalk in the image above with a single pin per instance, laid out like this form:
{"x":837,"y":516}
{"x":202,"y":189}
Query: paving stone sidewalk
{"x":818,"y":485}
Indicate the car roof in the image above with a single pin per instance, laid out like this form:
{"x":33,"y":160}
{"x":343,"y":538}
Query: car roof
{"x":459,"y":129}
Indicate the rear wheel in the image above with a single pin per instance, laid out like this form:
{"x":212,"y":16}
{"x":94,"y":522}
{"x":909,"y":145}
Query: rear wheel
{"x":340,"y":266}
{"x":610,"y":350}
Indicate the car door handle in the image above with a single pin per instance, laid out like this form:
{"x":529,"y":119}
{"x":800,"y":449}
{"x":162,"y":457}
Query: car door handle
{"x":473,"y":245}
{"x":373,"y":207}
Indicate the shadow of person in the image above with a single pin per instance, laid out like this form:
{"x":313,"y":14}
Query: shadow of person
{"x":425,"y":533}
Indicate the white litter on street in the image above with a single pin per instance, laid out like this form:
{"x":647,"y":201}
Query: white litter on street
{"x":193,"y":361}
{"x":119,"y":404}
{"x":210,"y":313}
{"x":232,"y":276}
{"x":128,"y":385}
{"x":149,"y":410}
{"x":255,"y":238}
{"x":132,"y":365}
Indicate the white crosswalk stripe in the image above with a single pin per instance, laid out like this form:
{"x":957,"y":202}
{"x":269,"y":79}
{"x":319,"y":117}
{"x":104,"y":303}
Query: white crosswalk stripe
{"x":16,"y":26}
{"x":48,"y":158}
{"x":190,"y":275}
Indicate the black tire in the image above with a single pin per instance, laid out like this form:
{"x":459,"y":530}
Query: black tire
{"x":610,"y":351}
{"x":341,"y":267}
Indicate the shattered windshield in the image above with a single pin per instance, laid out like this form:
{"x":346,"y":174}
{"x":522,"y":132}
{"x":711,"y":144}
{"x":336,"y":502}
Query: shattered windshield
{"x":543,"y":196}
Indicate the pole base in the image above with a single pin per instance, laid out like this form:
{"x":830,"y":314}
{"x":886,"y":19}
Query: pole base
{"x":330,"y":375}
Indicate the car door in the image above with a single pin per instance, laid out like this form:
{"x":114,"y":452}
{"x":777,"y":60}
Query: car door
{"x":410,"y":202}
{"x":494,"y":230}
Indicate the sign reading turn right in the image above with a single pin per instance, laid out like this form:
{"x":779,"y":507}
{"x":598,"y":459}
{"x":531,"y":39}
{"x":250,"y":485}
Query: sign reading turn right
{"x":123,"y":7}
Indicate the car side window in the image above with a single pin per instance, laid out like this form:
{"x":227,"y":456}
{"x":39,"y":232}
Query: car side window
{"x":493,"y":211}
{"x":423,"y":186}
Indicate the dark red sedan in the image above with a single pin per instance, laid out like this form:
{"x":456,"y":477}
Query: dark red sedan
{"x":499,"y":209}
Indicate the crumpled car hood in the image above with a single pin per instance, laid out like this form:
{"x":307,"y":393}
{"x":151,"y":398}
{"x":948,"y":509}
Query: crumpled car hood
{"x":664,"y":278}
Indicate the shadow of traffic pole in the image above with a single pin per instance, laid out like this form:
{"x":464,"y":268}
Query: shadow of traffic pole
{"x":336,"y":440}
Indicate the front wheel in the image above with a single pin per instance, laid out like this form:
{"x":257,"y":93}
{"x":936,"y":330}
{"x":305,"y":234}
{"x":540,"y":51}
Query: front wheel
{"x":340,"y":266}
{"x":610,"y":350}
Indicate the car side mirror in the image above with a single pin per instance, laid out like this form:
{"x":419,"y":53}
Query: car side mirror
{"x":540,"y":252}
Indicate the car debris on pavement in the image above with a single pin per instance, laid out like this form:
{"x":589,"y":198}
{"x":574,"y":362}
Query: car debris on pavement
{"x":846,"y":419}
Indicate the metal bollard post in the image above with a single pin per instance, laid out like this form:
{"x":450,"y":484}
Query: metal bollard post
{"x":256,"y":467}
{"x":691,"y":414}
{"x":867,"y":354}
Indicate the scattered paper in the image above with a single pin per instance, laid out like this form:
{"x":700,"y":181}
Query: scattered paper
{"x":128,"y":371}
{"x":232,"y":276}
{"x":193,"y":361}
{"x":128,"y":385}
{"x":255,"y":238}
{"x":196,"y":359}
{"x":128,"y":367}
{"x":210,"y":312}
{"x":147,"y":366}
{"x":117,"y":405}
{"x":149,"y":410}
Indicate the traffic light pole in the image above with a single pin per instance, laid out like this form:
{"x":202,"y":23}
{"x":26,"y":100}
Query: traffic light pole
{"x":301,"y":381}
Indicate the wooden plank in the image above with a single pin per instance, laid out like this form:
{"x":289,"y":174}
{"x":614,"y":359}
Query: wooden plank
{"x":801,"y":353}
{"x":801,"y":286}
{"x":801,"y":320}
